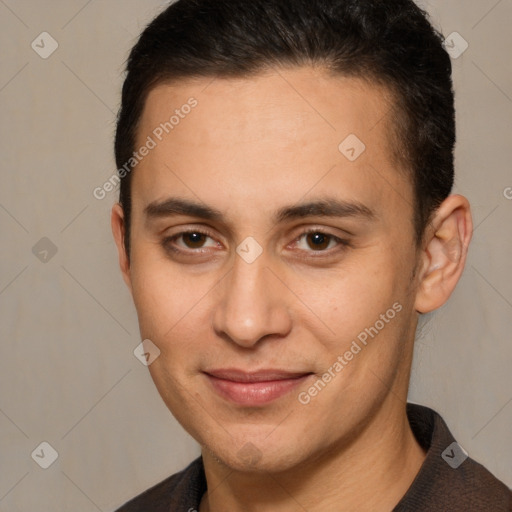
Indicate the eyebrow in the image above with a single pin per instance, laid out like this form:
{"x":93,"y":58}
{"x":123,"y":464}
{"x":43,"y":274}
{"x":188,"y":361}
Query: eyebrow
{"x":175,"y":206}
{"x":327,"y":207}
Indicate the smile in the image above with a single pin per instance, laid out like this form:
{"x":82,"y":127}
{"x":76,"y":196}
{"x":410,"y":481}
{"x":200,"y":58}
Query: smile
{"x":254,"y":389}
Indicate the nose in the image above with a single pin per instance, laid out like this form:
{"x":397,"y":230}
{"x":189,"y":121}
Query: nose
{"x":252,"y":305}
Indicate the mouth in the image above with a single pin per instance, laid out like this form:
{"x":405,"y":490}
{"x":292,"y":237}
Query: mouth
{"x":252,"y":389}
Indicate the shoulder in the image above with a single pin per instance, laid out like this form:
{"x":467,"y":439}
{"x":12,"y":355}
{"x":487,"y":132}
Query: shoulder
{"x":449,"y":479}
{"x":181,"y":491}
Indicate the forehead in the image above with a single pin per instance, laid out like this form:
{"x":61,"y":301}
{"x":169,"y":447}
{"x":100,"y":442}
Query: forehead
{"x":278,"y":135}
{"x":298,"y":103}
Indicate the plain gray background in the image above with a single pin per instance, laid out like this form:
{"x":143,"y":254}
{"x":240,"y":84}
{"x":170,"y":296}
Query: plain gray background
{"x":68,"y":328}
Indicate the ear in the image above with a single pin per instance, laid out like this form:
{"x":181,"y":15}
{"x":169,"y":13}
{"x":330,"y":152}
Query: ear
{"x":118,"y":230}
{"x":444,"y":253}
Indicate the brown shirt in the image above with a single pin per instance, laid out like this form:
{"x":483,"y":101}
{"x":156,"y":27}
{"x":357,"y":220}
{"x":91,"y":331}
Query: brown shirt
{"x":447,"y":481}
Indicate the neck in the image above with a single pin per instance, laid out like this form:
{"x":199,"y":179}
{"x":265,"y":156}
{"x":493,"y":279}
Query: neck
{"x":371,"y":472}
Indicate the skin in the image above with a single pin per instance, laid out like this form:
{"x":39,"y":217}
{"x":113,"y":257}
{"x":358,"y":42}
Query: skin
{"x":250,"y":148}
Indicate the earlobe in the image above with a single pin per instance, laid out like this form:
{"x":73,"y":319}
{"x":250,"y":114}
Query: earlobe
{"x":118,"y":231}
{"x":444,"y":253}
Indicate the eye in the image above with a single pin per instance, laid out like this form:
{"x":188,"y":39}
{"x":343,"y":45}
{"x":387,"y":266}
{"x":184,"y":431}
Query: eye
{"x":318,"y":241}
{"x":192,"y":240}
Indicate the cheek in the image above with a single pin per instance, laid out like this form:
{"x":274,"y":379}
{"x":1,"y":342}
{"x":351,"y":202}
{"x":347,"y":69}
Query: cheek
{"x":156,"y":305}
{"x":160,"y":295}
{"x":173,"y":306}
{"x":352,"y":298}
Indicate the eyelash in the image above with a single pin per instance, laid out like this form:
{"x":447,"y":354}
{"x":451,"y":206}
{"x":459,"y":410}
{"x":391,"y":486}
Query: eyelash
{"x":341,"y":243}
{"x":168,"y":243}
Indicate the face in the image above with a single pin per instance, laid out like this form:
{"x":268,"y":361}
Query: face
{"x":272,"y":262}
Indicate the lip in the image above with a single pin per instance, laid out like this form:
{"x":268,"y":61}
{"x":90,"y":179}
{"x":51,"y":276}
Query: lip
{"x":254,"y":388}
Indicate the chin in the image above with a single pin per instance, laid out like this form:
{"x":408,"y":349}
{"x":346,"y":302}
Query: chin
{"x":254,"y":450}
{"x":251,"y":459}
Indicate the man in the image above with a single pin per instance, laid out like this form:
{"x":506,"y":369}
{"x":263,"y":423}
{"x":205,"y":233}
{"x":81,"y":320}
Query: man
{"x":285,"y":217}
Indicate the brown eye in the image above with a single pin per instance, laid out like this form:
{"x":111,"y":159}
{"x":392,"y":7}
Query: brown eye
{"x":194,"y":240}
{"x":318,"y":241}
{"x":190,"y":242}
